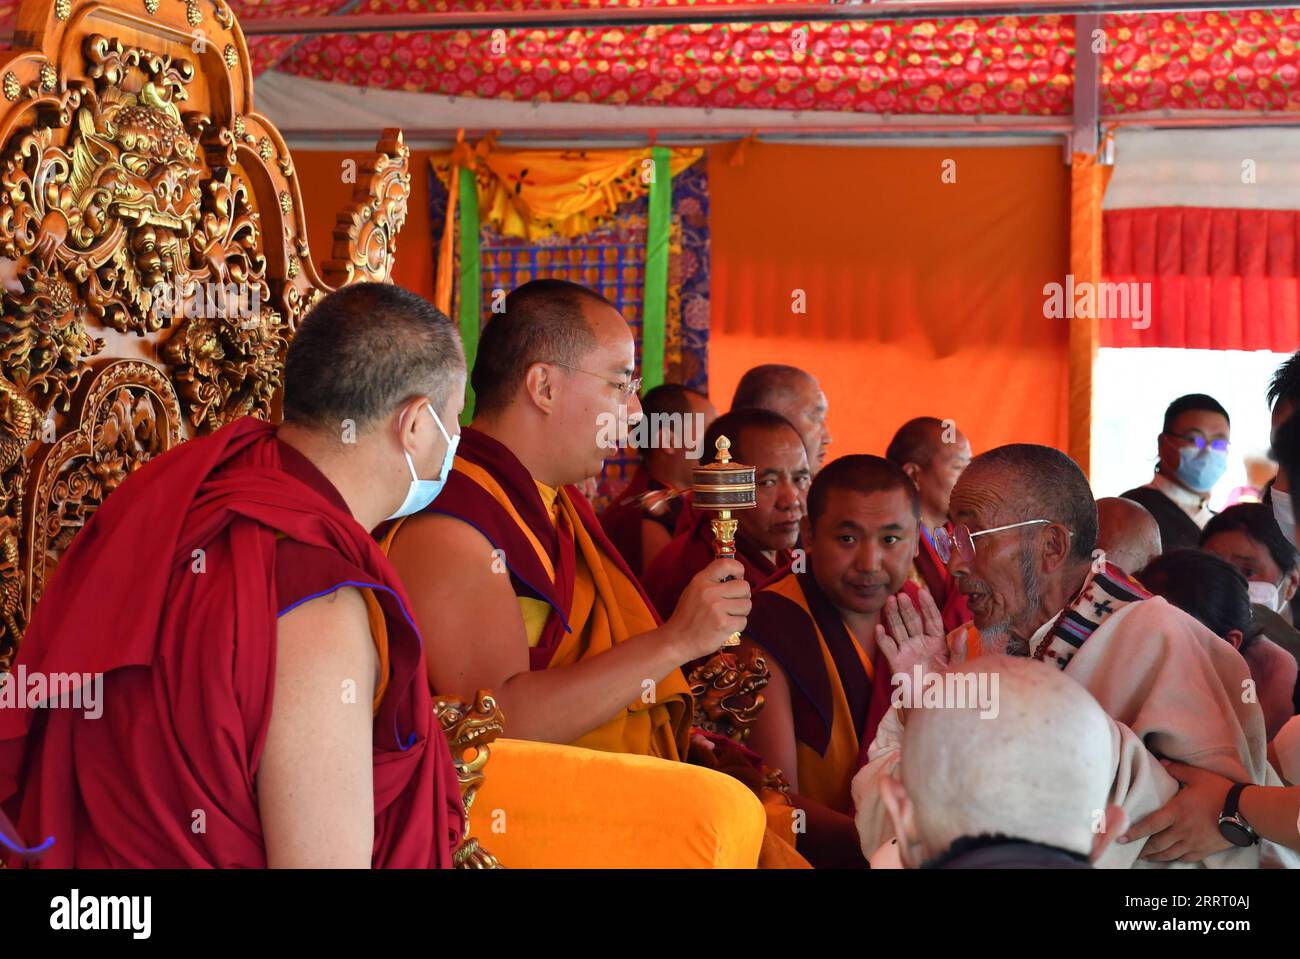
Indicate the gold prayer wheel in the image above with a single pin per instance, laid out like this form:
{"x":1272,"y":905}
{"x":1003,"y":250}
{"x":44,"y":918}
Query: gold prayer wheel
{"x":721,"y":487}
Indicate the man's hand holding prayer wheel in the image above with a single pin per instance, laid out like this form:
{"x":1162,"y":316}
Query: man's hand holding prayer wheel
{"x":714,"y":605}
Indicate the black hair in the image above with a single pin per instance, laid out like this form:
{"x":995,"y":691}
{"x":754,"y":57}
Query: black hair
{"x":1257,"y":521}
{"x":1192,"y":401}
{"x":860,"y":473}
{"x":735,"y":426}
{"x":1205,"y":587}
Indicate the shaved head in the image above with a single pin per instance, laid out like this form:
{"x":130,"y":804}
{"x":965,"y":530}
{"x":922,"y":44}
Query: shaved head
{"x":794,"y":394}
{"x":1127,"y":533}
{"x":1037,"y":482}
{"x":545,"y":321}
{"x":365,"y":349}
{"x":916,"y":441}
{"x":933,"y":453}
{"x":1033,"y":524}
{"x":769,"y":385}
{"x":1039,"y":770}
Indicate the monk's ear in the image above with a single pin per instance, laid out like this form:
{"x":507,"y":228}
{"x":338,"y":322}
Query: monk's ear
{"x":1235,"y":636}
{"x":903,"y":816}
{"x":1113,"y":825}
{"x":1057,"y":545}
{"x":540,"y":385}
{"x":912,"y":471}
{"x":407,"y":418}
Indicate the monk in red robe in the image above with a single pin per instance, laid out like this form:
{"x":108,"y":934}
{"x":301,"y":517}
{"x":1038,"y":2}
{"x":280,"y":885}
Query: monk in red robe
{"x":670,"y":440}
{"x":264,"y":700}
{"x":933,"y":453}
{"x":817,"y":629}
{"x":766,"y":535}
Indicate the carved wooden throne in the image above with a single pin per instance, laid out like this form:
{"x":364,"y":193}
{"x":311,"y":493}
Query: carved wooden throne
{"x":136,"y":174}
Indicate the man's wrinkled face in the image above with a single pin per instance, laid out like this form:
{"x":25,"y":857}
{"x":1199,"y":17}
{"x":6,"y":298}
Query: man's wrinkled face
{"x":782,"y":477}
{"x":1001,"y":583}
{"x":936,"y":479}
{"x":804,"y":405}
{"x":862,"y":547}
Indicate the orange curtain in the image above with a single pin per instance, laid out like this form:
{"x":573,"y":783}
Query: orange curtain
{"x":1088,"y":180}
{"x":920,"y":296}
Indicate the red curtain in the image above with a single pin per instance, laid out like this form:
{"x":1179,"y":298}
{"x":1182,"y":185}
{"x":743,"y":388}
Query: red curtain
{"x":1219,"y":279}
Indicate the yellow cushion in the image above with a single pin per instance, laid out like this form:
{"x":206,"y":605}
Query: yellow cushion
{"x":563,"y":807}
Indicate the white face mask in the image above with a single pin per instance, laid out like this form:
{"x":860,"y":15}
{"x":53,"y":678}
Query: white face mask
{"x":1284,"y":513}
{"x":423,"y":492}
{"x":1265,"y":594}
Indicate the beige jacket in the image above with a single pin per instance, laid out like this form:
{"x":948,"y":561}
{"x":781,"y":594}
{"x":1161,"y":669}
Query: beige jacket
{"x":1173,"y":688}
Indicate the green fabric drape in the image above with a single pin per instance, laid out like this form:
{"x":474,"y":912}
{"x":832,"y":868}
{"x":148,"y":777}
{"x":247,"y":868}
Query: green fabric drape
{"x":470,"y":280}
{"x":654,"y":308}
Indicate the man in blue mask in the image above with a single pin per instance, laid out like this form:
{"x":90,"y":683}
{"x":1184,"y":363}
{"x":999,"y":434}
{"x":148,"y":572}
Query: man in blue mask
{"x":1193,"y":447}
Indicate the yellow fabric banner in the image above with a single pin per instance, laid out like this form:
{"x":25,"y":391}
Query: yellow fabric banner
{"x":538,"y":193}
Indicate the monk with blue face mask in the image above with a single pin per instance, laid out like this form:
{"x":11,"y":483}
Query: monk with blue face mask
{"x":1193,"y":447}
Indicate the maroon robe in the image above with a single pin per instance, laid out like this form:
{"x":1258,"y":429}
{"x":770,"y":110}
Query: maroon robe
{"x":622,"y":518}
{"x":166,"y":777}
{"x":691,"y":550}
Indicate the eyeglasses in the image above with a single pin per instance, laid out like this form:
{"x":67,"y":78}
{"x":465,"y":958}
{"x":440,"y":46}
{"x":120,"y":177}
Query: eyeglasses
{"x":631,"y":388}
{"x":1200,"y":442}
{"x":962,"y":540}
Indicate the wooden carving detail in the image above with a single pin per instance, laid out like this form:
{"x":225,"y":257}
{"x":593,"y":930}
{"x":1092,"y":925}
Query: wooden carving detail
{"x":470,"y":729}
{"x":365,"y":239}
{"x":130,"y":414}
{"x":728,"y":693}
{"x":153,"y":257}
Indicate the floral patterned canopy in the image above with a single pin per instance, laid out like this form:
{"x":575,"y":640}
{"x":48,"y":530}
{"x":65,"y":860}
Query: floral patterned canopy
{"x":1011,"y":66}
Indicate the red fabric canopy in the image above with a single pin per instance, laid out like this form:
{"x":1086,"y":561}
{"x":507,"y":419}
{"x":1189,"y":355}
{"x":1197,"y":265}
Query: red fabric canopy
{"x":1220,"y":279}
{"x":1019,"y":66}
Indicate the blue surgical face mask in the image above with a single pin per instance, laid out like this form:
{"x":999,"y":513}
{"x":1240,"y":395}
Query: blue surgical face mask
{"x":423,"y":492}
{"x":1201,"y":469}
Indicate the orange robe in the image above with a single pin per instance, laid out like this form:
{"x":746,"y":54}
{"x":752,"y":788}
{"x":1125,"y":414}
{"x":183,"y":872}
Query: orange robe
{"x":838,"y":693}
{"x":577,"y":596}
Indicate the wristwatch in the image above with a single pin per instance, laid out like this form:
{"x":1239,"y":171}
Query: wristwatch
{"x":1232,"y":824}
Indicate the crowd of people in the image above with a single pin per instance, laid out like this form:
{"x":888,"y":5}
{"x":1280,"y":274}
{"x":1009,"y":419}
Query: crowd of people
{"x":973,"y":662}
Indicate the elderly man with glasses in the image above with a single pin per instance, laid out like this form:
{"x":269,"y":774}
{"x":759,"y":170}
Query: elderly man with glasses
{"x":1193,"y":447}
{"x":1022,"y":553}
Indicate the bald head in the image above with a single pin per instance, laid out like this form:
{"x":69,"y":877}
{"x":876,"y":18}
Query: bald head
{"x":364,"y":350}
{"x":794,"y":394}
{"x":1127,"y":533}
{"x":1024,"y":481}
{"x":545,"y":321}
{"x":1040,"y":769}
{"x":933,"y":453}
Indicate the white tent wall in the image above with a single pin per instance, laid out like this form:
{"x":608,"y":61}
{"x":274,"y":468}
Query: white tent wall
{"x":1131,"y":387}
